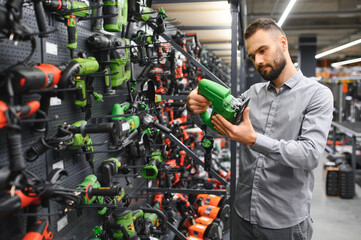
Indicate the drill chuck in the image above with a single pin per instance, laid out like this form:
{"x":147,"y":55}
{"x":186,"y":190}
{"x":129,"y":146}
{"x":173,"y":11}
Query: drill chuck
{"x":56,"y":5}
{"x":98,"y":41}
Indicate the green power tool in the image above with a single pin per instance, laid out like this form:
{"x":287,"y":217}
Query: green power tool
{"x":91,"y":180}
{"x":117,"y":11}
{"x":114,"y":55}
{"x":121,"y":64}
{"x":223,"y":103}
{"x":128,"y":124}
{"x":125,"y":220}
{"x":87,"y":66}
{"x":69,"y":9}
{"x":83,"y":143}
{"x":151,"y":169}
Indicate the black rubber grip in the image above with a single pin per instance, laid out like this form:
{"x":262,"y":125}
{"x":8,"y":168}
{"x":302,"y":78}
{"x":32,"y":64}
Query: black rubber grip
{"x":40,"y":18}
{"x":72,"y":35}
{"x":97,"y":23}
{"x":111,"y":192}
{"x":98,"y":128}
{"x":17,"y":162}
{"x":108,"y":83}
{"x":162,"y":127}
{"x":110,"y":10}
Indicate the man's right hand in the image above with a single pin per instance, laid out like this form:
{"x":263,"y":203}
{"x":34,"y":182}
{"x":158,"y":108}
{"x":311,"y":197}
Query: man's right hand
{"x":197,"y":103}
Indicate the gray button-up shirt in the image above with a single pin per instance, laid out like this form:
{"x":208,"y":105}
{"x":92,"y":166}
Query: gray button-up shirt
{"x":276,"y":179}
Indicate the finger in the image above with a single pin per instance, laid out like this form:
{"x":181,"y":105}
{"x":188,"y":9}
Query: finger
{"x":196,"y":103}
{"x":220,"y":127}
{"x":246,"y":114}
{"x":198,"y":110}
{"x":225,"y":124}
{"x":220,"y":130}
{"x":200,"y":98}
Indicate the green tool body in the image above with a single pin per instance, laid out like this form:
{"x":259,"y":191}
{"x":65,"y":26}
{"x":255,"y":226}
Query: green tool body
{"x":118,"y":8}
{"x":84,"y":143}
{"x":93,"y":181}
{"x":69,"y":10}
{"x":114,"y":56}
{"x":87,"y":66}
{"x":121,"y":64}
{"x":126,"y":219}
{"x":223,"y":103}
{"x":151,"y":169}
{"x":129,"y":123}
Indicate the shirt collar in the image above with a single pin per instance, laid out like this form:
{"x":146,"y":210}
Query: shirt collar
{"x":290,"y":82}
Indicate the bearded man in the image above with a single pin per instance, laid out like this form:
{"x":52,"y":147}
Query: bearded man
{"x":283,"y":133}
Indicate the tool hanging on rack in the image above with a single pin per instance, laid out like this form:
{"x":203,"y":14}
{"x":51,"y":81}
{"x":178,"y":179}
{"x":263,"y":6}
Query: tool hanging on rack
{"x":114,"y":56}
{"x":69,"y":10}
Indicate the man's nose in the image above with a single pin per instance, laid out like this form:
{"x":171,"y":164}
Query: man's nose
{"x":258,"y":60}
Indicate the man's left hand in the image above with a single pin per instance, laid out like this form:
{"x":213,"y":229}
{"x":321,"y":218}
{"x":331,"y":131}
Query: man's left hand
{"x":243,"y":133}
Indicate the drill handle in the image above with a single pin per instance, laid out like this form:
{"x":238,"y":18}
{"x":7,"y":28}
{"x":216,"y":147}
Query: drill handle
{"x":99,"y":128}
{"x":105,"y":191}
{"x":39,"y":231}
{"x":97,"y":22}
{"x":70,"y":22}
{"x":108,"y":83}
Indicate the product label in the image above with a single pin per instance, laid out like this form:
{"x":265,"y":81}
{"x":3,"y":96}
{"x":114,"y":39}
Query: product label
{"x":54,"y":101}
{"x":62,"y":222}
{"x":125,"y":126}
{"x":51,"y":48}
{"x":59,"y":164}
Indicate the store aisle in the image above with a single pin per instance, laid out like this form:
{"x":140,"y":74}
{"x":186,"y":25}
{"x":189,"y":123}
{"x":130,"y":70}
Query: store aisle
{"x":334,"y":218}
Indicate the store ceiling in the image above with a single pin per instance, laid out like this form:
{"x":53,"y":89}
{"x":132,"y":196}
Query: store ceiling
{"x":334,"y":22}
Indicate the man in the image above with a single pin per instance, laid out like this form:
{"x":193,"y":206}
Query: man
{"x":284,"y":132}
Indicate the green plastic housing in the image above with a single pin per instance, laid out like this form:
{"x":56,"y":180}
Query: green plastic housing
{"x":121,"y":64}
{"x":222,"y":100}
{"x":126,"y":219}
{"x":151,"y":170}
{"x":120,"y":109}
{"x":116,"y":23}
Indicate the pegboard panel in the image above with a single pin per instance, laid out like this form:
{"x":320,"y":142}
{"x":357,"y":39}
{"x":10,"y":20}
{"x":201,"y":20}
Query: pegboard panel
{"x":52,"y":50}
{"x":11,"y":53}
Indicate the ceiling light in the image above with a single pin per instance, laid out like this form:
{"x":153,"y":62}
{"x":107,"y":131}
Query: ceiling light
{"x":286,"y":12}
{"x":337,"y":64}
{"x":333,"y":50}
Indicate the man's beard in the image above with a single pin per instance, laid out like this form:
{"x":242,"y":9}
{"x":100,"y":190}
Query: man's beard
{"x":279,"y":64}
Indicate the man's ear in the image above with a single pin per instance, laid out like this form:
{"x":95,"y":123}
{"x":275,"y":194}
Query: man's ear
{"x":283,"y":42}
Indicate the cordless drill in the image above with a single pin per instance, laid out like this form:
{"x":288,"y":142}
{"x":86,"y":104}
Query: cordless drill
{"x":69,"y":9}
{"x":157,"y":74}
{"x":223,"y":103}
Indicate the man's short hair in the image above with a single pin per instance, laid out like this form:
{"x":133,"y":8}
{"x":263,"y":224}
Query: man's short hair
{"x":266,"y":24}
